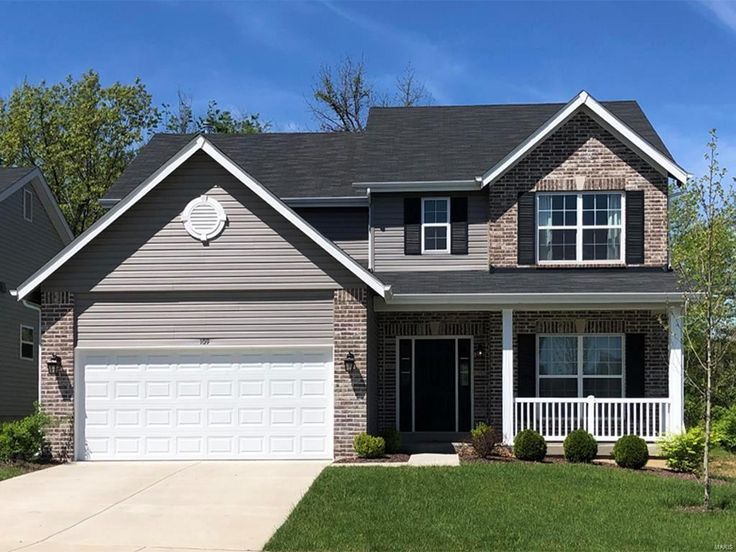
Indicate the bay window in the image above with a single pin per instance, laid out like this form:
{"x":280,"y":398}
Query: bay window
{"x":580,"y":365}
{"x":580,"y":227}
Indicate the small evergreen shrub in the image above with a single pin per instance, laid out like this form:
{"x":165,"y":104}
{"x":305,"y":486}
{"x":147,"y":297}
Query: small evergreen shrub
{"x":24,"y":439}
{"x":369,"y":446}
{"x":392,"y":438}
{"x":580,"y":447}
{"x":724,"y":429}
{"x":484,"y":439}
{"x":684,"y":452}
{"x":530,"y":445}
{"x":631,"y":451}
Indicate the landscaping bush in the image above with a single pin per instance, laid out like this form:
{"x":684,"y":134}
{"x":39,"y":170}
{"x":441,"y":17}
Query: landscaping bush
{"x":369,"y":446}
{"x":724,"y":429}
{"x":484,"y":439}
{"x":392,"y":438}
{"x":24,"y":439}
{"x":684,"y":452}
{"x":631,"y":451}
{"x":530,"y":445}
{"x":580,"y":446}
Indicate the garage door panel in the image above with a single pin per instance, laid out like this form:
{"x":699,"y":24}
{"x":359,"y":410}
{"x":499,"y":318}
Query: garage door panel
{"x":219,"y":405}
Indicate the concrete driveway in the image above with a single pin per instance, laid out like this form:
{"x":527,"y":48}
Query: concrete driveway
{"x":151,"y":506}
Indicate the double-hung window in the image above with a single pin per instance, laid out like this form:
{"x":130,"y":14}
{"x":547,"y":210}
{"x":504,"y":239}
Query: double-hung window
{"x":580,"y":227}
{"x":435,"y":225}
{"x":27,"y":342}
{"x":580,"y":365}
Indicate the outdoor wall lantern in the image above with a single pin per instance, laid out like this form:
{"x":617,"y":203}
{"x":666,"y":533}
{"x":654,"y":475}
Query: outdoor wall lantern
{"x":349,"y":362}
{"x":480,"y":351}
{"x":54,"y":365}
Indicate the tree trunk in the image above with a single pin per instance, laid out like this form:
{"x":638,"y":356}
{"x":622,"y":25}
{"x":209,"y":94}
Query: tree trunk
{"x":708,"y":393}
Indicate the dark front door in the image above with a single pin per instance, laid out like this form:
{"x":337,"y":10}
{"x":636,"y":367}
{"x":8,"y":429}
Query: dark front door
{"x":434,"y":385}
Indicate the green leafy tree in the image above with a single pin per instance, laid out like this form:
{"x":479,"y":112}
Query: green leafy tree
{"x":183,"y":120}
{"x":343,"y":95}
{"x":79,"y":133}
{"x":704,"y":254}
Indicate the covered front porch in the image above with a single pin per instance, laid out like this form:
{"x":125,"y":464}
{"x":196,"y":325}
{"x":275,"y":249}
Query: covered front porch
{"x":611,"y":371}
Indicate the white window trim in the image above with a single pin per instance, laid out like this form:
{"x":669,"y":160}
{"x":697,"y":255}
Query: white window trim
{"x":23,"y":342}
{"x":579,"y":227}
{"x":28,"y":202}
{"x":580,"y":376}
{"x":436,"y":225}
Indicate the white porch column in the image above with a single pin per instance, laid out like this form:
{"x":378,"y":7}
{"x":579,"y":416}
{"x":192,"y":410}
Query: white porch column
{"x":507,"y":377}
{"x":676,"y":375}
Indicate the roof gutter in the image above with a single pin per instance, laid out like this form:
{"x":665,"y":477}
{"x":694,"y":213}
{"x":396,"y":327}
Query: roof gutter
{"x":614,"y":298}
{"x":421,"y":186}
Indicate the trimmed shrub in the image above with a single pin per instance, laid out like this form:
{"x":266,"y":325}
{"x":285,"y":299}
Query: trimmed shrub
{"x":484,"y":439}
{"x":369,"y":446}
{"x":24,"y":439}
{"x":631,"y":451}
{"x":684,"y":452}
{"x":724,"y":429}
{"x":530,"y":445}
{"x":580,"y":447}
{"x":392,"y":438}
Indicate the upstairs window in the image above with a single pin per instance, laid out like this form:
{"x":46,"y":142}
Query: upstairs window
{"x":580,"y":227}
{"x":28,"y":205}
{"x":436,"y":225}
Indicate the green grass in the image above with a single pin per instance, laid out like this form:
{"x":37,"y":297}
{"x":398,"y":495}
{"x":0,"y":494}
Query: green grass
{"x":504,"y":506}
{"x":6,"y":472}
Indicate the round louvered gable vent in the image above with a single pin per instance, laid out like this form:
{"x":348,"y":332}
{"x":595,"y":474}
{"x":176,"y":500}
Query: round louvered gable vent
{"x":204,"y":218}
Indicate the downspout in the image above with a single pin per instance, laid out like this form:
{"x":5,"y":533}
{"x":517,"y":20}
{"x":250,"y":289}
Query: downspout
{"x":31,"y":306}
{"x":370,"y":230}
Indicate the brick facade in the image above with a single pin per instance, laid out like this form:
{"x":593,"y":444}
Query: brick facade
{"x":485,"y":327}
{"x":57,"y":391}
{"x":581,"y":155}
{"x":351,"y":312}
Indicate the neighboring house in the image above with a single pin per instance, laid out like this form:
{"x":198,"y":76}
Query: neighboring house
{"x":270,"y":296}
{"x":33,"y":230}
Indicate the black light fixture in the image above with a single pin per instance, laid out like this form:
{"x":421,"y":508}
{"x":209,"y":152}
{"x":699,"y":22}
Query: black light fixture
{"x":54,"y":365}
{"x":349,"y":362}
{"x":480,"y":351}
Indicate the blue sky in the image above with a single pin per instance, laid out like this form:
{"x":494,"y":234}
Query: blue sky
{"x":678,"y":59}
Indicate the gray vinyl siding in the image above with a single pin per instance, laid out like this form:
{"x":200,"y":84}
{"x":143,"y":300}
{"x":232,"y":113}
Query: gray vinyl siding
{"x":25,"y":247}
{"x":346,"y":226}
{"x":387,"y":211}
{"x":148,"y":249}
{"x":226,"y":319}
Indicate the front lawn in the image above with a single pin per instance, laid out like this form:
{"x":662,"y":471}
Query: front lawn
{"x":505,"y":506}
{"x":8,"y":471}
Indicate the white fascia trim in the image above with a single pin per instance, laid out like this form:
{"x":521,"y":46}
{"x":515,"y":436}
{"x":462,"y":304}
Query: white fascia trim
{"x":343,"y":258}
{"x":41,"y":187}
{"x":583,"y":99}
{"x":421,"y":186}
{"x":623,"y":298}
{"x":342,"y":201}
{"x":196,"y":144}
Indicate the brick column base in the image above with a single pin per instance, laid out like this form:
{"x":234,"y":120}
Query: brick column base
{"x":350,"y":336}
{"x":57,"y":391}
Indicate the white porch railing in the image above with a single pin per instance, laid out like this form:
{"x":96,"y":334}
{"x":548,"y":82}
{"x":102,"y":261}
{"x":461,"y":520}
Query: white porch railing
{"x":606,"y":419}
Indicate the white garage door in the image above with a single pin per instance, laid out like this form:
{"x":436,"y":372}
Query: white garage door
{"x":242,"y":404}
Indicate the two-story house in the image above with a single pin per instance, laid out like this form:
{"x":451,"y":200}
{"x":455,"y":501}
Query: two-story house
{"x":33,"y":230}
{"x":270,"y":296}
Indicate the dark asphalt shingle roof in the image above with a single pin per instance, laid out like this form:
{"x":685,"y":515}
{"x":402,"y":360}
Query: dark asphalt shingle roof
{"x":399,"y":144}
{"x":594,"y":280}
{"x":11,"y":175}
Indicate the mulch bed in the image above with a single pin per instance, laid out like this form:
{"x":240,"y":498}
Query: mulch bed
{"x":398,"y":457}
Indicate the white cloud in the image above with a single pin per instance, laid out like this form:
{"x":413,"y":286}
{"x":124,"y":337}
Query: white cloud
{"x":724,"y":10}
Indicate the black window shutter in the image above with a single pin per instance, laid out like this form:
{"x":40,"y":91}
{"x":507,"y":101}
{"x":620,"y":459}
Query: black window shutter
{"x":635,"y":227}
{"x":526,"y":232}
{"x":459,"y":226}
{"x":635,"y":350}
{"x":527,"y":365}
{"x":412,"y":226}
